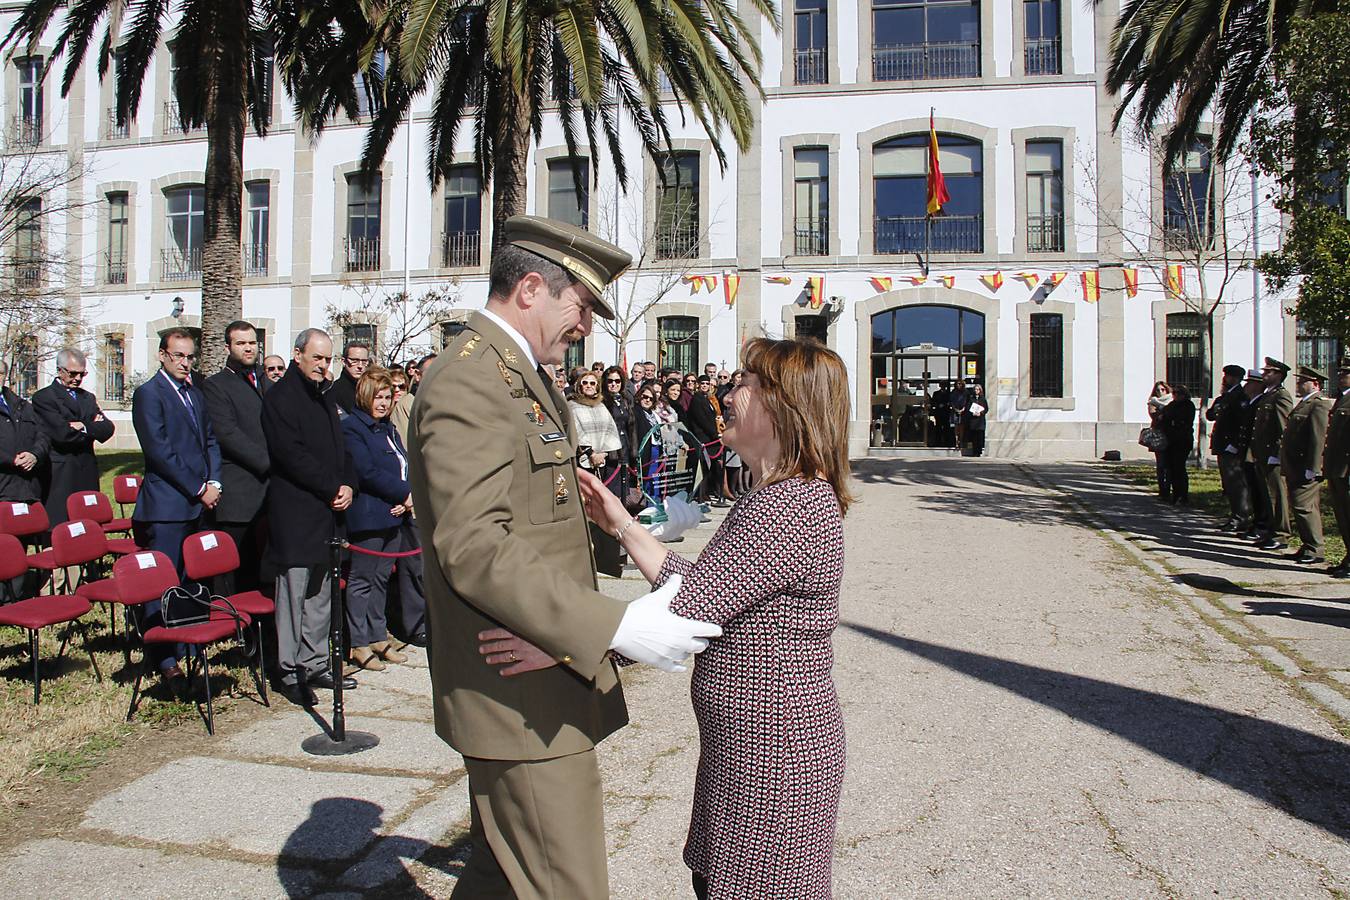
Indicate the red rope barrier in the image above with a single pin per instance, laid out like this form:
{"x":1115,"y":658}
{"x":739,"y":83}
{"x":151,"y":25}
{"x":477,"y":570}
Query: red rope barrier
{"x":355,"y":549}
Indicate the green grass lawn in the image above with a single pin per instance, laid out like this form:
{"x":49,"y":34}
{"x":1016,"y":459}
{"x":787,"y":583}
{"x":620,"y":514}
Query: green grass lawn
{"x":1206,"y":495}
{"x":112,"y":463}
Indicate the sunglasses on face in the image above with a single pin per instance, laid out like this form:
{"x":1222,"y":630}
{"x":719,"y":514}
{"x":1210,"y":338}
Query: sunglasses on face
{"x":613,"y":381}
{"x":276,"y":368}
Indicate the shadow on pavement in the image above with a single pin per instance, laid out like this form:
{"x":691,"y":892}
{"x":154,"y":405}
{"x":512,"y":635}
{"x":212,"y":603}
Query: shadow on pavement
{"x":340,"y":822}
{"x":1220,"y":585}
{"x":1292,"y":770}
{"x":1308,"y":612}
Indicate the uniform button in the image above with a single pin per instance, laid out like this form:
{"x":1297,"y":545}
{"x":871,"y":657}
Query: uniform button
{"x":557,"y":454}
{"x":566,"y":660}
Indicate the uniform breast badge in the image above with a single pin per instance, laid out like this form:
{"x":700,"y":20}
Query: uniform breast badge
{"x":560,"y":492}
{"x":506,"y":376}
{"x":536,"y":414}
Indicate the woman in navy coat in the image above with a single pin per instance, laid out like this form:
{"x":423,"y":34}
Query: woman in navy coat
{"x":375,"y":520}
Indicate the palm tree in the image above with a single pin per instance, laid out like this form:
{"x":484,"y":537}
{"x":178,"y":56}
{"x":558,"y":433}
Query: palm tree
{"x":222,"y":49}
{"x":498,"y":64}
{"x":1179,"y":58}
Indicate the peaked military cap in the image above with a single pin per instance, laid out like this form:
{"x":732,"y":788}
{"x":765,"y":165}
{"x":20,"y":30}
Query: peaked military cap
{"x":1308,"y":373}
{"x":589,"y":259}
{"x":1273,"y":363}
{"x":1234,"y":372}
{"x":1254,"y":375}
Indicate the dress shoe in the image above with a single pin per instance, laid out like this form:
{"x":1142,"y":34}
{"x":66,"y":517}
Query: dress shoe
{"x":298,"y":694}
{"x":1309,"y":559}
{"x":386,"y":652}
{"x":1259,"y":538}
{"x":367,"y":658}
{"x":1273,"y":544}
{"x":324,"y":680}
{"x":394,"y":642}
{"x":174,"y":679}
{"x":419,"y":639}
{"x":1340,"y":571}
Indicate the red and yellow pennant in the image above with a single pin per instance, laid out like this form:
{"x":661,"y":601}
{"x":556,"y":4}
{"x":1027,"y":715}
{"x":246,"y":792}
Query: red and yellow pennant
{"x":695,"y":283}
{"x":778,"y":279}
{"x":1030,"y":279}
{"x":1175,"y":280}
{"x":993,"y":281}
{"x":1131,"y":282}
{"x":948,"y":281}
{"x":1092,"y":291}
{"x":1056,"y":279}
{"x":710,"y":282}
{"x":815,"y":291}
{"x":730,"y":285}
{"x":881,"y":284}
{"x":916,"y":280}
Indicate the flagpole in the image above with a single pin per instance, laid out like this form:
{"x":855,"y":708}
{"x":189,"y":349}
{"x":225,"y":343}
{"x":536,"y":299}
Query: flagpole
{"x":927,"y":214}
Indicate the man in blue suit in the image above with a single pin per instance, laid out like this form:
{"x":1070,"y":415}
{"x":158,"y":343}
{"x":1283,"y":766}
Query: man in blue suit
{"x":182,"y":460}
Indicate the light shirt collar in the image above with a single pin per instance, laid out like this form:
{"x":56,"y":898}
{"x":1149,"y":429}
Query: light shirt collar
{"x":177,"y":385}
{"x":1310,"y":396}
{"x":513,"y":335}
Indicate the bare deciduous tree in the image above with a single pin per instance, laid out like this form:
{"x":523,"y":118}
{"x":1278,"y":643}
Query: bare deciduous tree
{"x":406,"y":326}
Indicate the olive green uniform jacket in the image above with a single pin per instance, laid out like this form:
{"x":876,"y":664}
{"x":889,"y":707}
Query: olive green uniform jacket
{"x":1271,"y":413}
{"x":1336,"y":456}
{"x":1304,"y":437}
{"x":506,"y":544}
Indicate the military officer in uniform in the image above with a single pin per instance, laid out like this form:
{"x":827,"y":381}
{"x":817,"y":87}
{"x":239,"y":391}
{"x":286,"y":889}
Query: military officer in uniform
{"x":507,"y":547}
{"x":1336,"y":463}
{"x":1301,"y":461}
{"x":1271,"y":412}
{"x":1226,"y":442}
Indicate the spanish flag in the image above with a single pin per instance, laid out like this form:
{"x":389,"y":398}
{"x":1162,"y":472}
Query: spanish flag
{"x":937,"y":185}
{"x":1175,"y":280}
{"x":881,"y":284}
{"x":993,"y":281}
{"x":1131,"y":281}
{"x":1056,"y":279}
{"x":916,"y":280}
{"x":730,"y":285}
{"x":695,"y":283}
{"x":1030,"y":279}
{"x":815,"y":287}
{"x":778,"y":279}
{"x":948,"y":281}
{"x":1092,"y":291}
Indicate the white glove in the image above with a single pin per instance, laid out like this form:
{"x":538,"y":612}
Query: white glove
{"x":650,"y":633}
{"x":1272,"y":460}
{"x":1230,"y":449}
{"x":1309,"y":474}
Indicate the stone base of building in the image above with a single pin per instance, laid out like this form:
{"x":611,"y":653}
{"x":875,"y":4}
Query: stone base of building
{"x":1032,"y":440}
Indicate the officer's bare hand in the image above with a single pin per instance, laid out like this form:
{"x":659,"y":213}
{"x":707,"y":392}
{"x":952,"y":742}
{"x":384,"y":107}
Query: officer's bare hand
{"x":602,"y":506}
{"x":343,"y":498}
{"x":502,"y":648}
{"x":25,"y":461}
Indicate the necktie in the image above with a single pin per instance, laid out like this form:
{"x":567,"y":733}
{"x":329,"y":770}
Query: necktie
{"x":73,"y":395}
{"x":253,"y":379}
{"x":4,"y":406}
{"x":187,"y":401}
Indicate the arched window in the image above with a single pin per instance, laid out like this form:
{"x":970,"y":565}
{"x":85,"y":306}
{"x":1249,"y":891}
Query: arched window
{"x":900,"y":195}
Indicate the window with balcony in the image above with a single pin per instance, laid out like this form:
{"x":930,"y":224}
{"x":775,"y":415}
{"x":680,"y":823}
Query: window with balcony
{"x":257,"y":224}
{"x":173,"y":111}
{"x":1047,"y":355}
{"x":361,"y":333}
{"x":677,"y":207}
{"x":1185,"y":353}
{"x":678,"y":341}
{"x":811,"y":181}
{"x":1045,"y":196}
{"x":1040,"y":37}
{"x":450,"y":331}
{"x":461,"y":242}
{"x":914,"y":40}
{"x":563,"y":202}
{"x":114,"y":368}
{"x":368,"y":98}
{"x":181,"y":258}
{"x":119,"y":228}
{"x":26,"y":126}
{"x":810,"y":54}
{"x":28,"y":244}
{"x":363,"y":224}
{"x":900,"y":196}
{"x":1318,"y":349}
{"x":1188,"y":200}
{"x":116,"y":130}
{"x":24,"y":371}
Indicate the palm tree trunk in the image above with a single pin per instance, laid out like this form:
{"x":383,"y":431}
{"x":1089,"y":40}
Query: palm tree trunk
{"x":222,"y":258}
{"x":511,"y":147}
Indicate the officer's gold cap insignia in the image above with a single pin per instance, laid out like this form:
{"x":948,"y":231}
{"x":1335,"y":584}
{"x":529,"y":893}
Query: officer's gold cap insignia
{"x":510,"y":356}
{"x":560,"y":493}
{"x":506,"y":376}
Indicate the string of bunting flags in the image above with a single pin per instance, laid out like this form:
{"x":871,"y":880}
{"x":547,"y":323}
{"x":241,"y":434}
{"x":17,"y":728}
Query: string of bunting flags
{"x":1172,"y":279}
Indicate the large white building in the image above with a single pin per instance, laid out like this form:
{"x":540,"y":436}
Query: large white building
{"x":1045,"y":199}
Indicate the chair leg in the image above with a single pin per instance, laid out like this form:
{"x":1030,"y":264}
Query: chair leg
{"x":259,"y":665}
{"x":37,"y":674}
{"x":136,"y":687}
{"x":84,"y":633}
{"x":206,"y":678}
{"x":65,"y":639}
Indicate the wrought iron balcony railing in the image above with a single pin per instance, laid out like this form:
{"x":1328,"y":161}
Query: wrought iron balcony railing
{"x":255,"y":259}
{"x":950,"y":234}
{"x":1040,"y":56}
{"x":172,"y":123}
{"x":116,"y":131}
{"x":460,"y":249}
{"x":27,"y":272}
{"x":916,"y":62}
{"x":361,"y":254}
{"x":811,"y":66}
{"x":677,"y":240}
{"x":811,"y":237}
{"x":115,"y":268}
{"x":1182,"y":231}
{"x":181,"y":263}
{"x":25,"y":131}
{"x":1045,"y":234}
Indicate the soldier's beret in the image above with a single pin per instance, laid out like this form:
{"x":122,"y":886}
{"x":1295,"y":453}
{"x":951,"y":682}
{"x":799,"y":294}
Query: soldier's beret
{"x":1234,"y":371}
{"x":589,"y":259}
{"x":1273,"y":363}
{"x":1308,"y":373}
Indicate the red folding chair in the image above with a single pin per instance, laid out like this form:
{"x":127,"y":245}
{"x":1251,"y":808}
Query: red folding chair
{"x":209,"y":554}
{"x":39,"y":612}
{"x":75,"y":545}
{"x":145,"y":576}
{"x":95,"y":505}
{"x":126,"y":488}
{"x":26,"y":521}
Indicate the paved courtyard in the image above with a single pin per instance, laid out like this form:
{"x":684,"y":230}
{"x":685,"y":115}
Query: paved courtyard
{"x":1052,"y":688}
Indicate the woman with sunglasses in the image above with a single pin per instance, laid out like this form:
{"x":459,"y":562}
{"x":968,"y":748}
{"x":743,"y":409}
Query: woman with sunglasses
{"x":622,"y":410}
{"x":598,"y":441}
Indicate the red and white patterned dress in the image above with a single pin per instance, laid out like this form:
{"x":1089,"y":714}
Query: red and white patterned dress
{"x":771,"y":732}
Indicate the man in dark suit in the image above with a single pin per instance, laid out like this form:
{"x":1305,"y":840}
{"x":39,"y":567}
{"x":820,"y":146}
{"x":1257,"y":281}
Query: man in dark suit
{"x":24,"y":446}
{"x":355,"y":361}
{"x":1226,"y":443}
{"x":182,"y":462}
{"x":310,"y":487}
{"x":74,"y":424}
{"x":702,"y":421}
{"x":234,"y":401}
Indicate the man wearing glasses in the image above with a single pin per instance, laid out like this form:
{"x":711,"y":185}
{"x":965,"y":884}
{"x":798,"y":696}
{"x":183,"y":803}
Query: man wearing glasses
{"x":73,"y":422}
{"x":355,"y":361}
{"x":274,"y":367}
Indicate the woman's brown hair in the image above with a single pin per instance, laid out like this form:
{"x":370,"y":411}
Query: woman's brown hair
{"x":804,"y":387}
{"x":371,"y":383}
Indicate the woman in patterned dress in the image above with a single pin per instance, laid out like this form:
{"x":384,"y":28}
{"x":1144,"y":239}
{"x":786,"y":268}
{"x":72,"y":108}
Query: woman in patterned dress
{"x":771,"y":734}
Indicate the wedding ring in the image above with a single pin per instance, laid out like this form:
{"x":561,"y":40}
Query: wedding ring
{"x":514,"y":658}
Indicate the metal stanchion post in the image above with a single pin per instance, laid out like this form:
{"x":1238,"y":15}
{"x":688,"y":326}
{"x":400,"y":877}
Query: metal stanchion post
{"x":337,"y":741}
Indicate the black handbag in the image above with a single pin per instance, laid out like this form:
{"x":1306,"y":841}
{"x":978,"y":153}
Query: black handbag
{"x":192,"y":605}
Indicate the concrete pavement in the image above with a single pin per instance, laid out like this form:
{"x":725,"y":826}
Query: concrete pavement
{"x":1035,"y":707}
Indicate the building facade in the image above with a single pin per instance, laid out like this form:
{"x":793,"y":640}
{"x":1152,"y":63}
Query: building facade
{"x":1064,"y":275}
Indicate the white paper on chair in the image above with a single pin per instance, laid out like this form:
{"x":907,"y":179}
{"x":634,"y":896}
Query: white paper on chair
{"x":90,"y":500}
{"x":132,"y":482}
{"x":145,"y":560}
{"x":209,"y":542}
{"x":20,"y":509}
{"x":76,"y":529}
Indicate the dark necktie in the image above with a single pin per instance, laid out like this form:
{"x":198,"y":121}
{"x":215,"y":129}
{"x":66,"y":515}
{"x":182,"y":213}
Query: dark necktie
{"x":74,"y":396}
{"x":253,"y":379}
{"x":4,"y":406}
{"x":187,"y":401}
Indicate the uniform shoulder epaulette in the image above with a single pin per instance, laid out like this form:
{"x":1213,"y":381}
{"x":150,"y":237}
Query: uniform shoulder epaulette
{"x":468,"y":345}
